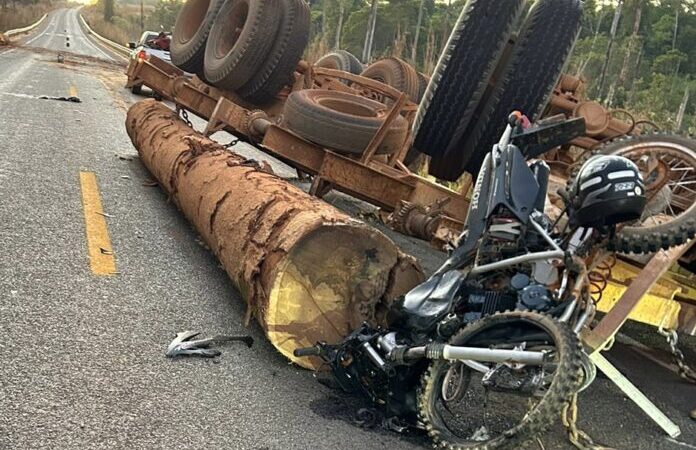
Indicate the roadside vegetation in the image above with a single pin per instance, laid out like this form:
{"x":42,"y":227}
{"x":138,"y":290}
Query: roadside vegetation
{"x":21,"y":13}
{"x":121,"y":21}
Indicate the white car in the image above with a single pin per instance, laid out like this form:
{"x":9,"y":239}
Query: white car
{"x":144,"y":48}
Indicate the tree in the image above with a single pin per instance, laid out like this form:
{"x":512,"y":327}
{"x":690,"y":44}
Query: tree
{"x":108,"y":10}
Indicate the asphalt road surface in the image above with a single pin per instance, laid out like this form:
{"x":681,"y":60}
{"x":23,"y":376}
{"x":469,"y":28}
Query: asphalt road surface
{"x":82,"y":356}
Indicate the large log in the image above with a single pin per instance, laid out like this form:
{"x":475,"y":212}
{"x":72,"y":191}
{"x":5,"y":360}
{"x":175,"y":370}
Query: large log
{"x":307,"y":271}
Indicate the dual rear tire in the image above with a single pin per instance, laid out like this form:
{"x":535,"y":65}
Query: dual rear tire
{"x":249,"y":46}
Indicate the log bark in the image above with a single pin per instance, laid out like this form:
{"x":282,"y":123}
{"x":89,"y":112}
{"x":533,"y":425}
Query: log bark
{"x":307,"y":271}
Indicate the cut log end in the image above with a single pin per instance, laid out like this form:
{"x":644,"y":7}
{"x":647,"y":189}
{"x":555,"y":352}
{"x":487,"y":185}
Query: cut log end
{"x":329,"y":284}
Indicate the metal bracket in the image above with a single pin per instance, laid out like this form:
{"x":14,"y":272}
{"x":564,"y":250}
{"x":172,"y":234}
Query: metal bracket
{"x":643,"y":282}
{"x":632,"y":392}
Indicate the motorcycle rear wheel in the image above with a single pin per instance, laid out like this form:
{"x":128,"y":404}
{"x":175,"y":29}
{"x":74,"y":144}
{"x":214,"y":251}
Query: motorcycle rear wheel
{"x":549,"y":399}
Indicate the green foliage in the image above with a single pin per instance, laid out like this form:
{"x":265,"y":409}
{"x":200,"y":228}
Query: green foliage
{"x":646,"y":74}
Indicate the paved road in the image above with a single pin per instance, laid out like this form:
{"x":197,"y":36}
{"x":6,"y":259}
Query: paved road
{"x":82,"y":355}
{"x":62,"y":30}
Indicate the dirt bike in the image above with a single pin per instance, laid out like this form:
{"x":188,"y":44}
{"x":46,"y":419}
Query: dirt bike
{"x":485,"y":353}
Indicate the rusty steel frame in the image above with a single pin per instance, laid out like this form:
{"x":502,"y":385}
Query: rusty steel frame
{"x":382,"y":183}
{"x":606,"y":329}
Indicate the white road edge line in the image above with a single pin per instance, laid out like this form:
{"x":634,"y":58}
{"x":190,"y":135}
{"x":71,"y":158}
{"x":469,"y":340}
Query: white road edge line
{"x":84,"y":37}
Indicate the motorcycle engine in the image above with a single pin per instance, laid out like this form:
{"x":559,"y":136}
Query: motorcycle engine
{"x":531,"y":296}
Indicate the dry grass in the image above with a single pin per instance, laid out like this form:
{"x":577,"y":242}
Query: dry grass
{"x":125,"y":26}
{"x":22,"y":15}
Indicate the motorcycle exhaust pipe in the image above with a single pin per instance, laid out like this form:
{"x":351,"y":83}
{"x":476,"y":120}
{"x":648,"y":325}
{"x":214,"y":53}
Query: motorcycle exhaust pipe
{"x":458,"y":353}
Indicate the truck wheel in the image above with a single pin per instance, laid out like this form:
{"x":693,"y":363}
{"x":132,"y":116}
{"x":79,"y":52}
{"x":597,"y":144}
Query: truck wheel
{"x":462,"y":73}
{"x":276,"y":72}
{"x":341,"y":121}
{"x":396,"y":73}
{"x":240,"y":39}
{"x":423,"y":81}
{"x":341,"y":60}
{"x":537,"y":60}
{"x":137,"y":89}
{"x":191,"y":33}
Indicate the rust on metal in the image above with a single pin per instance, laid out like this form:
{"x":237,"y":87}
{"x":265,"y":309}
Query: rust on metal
{"x":307,"y":271}
{"x":658,"y":265}
{"x":382,"y":183}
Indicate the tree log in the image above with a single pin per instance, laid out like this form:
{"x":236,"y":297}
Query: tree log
{"x":307,"y":271}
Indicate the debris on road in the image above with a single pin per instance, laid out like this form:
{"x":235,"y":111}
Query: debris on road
{"x":272,"y":238}
{"x":62,"y":99}
{"x":183,"y":345}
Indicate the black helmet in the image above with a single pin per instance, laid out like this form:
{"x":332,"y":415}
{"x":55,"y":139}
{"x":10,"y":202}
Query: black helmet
{"x":608,"y":190}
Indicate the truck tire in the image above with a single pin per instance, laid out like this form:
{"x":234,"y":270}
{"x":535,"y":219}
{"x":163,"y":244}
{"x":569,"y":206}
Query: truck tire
{"x":341,"y":121}
{"x":341,"y":60}
{"x":241,"y":37}
{"x":540,"y":52}
{"x":396,"y":73}
{"x":423,"y":81}
{"x":462,"y":73}
{"x":276,"y":72}
{"x":191,"y":34}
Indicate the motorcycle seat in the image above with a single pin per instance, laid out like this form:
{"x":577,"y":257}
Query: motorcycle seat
{"x":426,"y":304}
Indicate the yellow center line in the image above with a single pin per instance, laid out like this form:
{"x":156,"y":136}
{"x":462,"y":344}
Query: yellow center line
{"x":73,"y":91}
{"x":101,"y":256}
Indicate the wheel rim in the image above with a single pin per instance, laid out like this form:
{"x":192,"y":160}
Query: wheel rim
{"x":192,"y":16}
{"x":669,"y":173}
{"x":480,"y":410}
{"x":236,"y":18}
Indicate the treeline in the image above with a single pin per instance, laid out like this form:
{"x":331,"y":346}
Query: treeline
{"x":640,"y":55}
{"x":636,"y":55}
{"x":122,"y":22}
{"x":415,"y":30}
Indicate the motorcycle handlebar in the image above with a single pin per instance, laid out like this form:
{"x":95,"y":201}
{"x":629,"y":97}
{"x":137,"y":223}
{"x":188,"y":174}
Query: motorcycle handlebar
{"x":307,"y":351}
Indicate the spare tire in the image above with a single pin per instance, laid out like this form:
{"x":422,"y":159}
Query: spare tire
{"x":396,"y":73}
{"x":545,"y":41}
{"x":240,"y":40}
{"x":341,"y":121}
{"x":341,"y":60}
{"x":276,"y":72}
{"x":191,"y":32}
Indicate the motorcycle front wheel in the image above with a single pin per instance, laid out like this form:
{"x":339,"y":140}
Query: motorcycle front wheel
{"x":500,"y":406}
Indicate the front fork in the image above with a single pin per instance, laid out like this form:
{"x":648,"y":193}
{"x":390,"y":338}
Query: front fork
{"x":387,"y":353}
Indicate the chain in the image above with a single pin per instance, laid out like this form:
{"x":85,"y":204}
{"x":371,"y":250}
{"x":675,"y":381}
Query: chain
{"x":184,"y":115}
{"x":685,"y":371}
{"x":232,"y":143}
{"x":576,"y":436}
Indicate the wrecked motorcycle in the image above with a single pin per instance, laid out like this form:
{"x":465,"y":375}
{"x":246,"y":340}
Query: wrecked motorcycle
{"x":485,"y":353}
